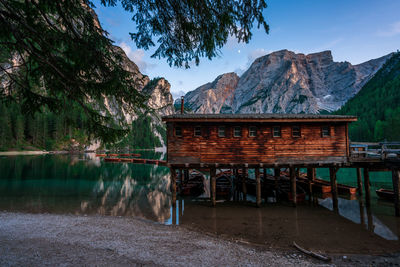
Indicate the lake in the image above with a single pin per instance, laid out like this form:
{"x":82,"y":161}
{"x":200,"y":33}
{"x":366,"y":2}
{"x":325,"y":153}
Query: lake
{"x":86,"y":185}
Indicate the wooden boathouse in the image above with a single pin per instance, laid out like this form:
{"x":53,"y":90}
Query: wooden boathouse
{"x":260,"y":141}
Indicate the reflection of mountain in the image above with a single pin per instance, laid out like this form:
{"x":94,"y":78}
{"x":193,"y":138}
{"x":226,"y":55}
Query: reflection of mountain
{"x":81,"y":184}
{"x":351,"y":209}
{"x":128,"y":194}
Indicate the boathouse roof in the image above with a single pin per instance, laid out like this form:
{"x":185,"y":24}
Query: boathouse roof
{"x":265,"y":117}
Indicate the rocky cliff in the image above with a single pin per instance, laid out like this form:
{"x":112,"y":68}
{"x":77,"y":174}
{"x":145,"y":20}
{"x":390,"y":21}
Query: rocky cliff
{"x":285,"y":82}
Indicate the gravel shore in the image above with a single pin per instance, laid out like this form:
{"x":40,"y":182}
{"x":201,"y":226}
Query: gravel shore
{"x":70,"y":240}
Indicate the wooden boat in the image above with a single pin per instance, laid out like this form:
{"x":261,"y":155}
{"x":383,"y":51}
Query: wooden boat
{"x":143,"y":161}
{"x":101,"y":155}
{"x":385,"y":194}
{"x":124,"y":155}
{"x":125,"y":160}
{"x":316,"y":186}
{"x":134,"y":155}
{"x":342,"y":189}
{"x":112,"y":159}
{"x":224,"y":183}
{"x":194,"y":186}
{"x":112,"y":155}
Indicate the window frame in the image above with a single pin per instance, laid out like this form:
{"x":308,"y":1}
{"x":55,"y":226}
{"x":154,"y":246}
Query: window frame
{"x":255,"y":131}
{"x":234,"y":131}
{"x":178,"y":135}
{"x":194,"y":131}
{"x":273,"y":131}
{"x":329,"y":131}
{"x":219,"y":132}
{"x":296,"y":136}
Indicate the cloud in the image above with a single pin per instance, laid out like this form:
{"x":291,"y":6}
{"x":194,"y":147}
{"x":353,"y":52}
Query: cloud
{"x":251,"y":56}
{"x":256,"y":53}
{"x":392,"y":30}
{"x":177,"y":94}
{"x":137,"y":56}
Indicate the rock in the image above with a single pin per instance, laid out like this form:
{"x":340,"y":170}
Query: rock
{"x":285,"y":82}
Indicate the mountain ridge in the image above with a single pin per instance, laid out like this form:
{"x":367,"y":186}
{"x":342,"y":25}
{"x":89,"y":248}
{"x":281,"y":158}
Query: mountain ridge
{"x":286,"y":82}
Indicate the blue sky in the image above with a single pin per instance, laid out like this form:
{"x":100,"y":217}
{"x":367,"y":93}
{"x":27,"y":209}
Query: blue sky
{"x":354,"y":30}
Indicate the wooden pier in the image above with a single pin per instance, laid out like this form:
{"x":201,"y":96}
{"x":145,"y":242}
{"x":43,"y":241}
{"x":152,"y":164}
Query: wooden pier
{"x":239,"y":142}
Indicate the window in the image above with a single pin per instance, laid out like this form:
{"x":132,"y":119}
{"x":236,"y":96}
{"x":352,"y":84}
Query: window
{"x":237,"y":131}
{"x":221,"y":131}
{"x":197,"y":131}
{"x":252,"y":131}
{"x":326,"y":131}
{"x":178,"y":131}
{"x":296,"y":131}
{"x":276,"y":131}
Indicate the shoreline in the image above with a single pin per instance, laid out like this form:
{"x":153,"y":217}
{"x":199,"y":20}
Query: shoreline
{"x":52,"y":239}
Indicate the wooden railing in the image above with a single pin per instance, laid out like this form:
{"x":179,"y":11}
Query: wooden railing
{"x":383,"y":150}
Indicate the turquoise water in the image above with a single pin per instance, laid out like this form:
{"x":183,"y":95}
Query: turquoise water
{"x":86,"y":185}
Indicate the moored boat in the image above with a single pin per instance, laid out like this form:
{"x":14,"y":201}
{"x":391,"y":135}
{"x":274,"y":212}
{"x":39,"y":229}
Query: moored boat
{"x":385,"y":194}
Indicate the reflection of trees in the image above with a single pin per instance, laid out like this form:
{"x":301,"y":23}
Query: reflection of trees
{"x":63,"y":183}
{"x":132,"y":190}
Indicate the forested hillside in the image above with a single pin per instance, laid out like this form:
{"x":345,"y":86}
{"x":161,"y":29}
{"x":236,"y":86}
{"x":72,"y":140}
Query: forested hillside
{"x":377,"y":106}
{"x":50,"y":131}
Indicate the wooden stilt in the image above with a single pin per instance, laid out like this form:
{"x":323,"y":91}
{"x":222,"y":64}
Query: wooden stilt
{"x":396,"y":190}
{"x":173,"y":186}
{"x":277,"y":174}
{"x":244,"y":188}
{"x":186,"y":175}
{"x":362,"y":216}
{"x":359,"y":182}
{"x":265,"y":174}
{"x":332,"y":176}
{"x":180,"y":180}
{"x":293,"y":185}
{"x":297,"y":172}
{"x":213,"y":184}
{"x":311,"y":178}
{"x":367,"y":188}
{"x":258,"y":187}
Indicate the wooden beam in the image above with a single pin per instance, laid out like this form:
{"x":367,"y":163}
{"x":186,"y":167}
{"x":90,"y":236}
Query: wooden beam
{"x":367,"y":187}
{"x":332,"y":176}
{"x":213,"y":185}
{"x":258,"y":187}
{"x":359,"y":182}
{"x":311,"y":178}
{"x":173,"y":186}
{"x":293,"y":185}
{"x":244,"y":178}
{"x":180,"y":180}
{"x":277,"y":175}
{"x":396,"y":190}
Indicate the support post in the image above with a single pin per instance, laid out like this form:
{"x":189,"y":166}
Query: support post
{"x":180,"y":180}
{"x":359,"y":182}
{"x":186,"y":175}
{"x":367,"y":187}
{"x":244,"y":178}
{"x":332,"y":176}
{"x":293,"y":185}
{"x":258,"y":187}
{"x":265,"y":174}
{"x":173,"y":186}
{"x":396,"y":190}
{"x":311,"y":178}
{"x":277,"y":175}
{"x":213,"y":184}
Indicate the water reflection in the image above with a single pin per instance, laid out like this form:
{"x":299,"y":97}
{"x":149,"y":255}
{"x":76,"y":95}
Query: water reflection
{"x":83,"y":184}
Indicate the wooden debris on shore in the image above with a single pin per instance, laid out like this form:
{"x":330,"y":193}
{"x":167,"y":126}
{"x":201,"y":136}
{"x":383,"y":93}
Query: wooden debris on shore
{"x":312,"y":254}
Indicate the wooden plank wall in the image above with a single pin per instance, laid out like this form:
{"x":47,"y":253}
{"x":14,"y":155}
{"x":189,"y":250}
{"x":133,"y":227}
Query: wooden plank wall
{"x":209,"y":148}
